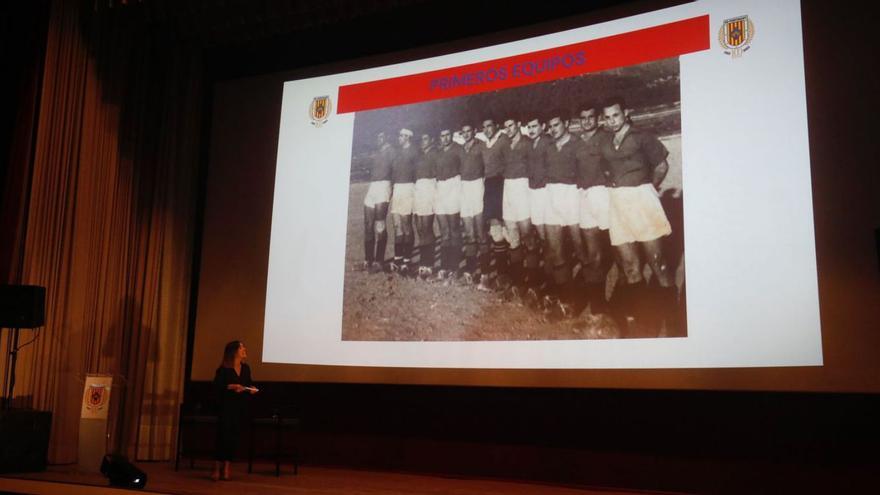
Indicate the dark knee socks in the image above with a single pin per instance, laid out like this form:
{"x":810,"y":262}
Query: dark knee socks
{"x":426,"y":254}
{"x":470,"y":254}
{"x":516,"y":265}
{"x":369,"y":245}
{"x":500,"y":253}
{"x":381,"y":242}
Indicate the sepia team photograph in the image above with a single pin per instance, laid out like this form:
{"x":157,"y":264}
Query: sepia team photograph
{"x":552,"y":211}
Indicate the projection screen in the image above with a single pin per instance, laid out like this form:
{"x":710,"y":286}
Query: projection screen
{"x":559,"y":183}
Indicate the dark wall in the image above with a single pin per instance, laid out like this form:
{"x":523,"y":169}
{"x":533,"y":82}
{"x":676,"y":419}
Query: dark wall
{"x":692,"y":441}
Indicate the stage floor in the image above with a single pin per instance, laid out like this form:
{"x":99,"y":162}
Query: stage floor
{"x":311,"y":480}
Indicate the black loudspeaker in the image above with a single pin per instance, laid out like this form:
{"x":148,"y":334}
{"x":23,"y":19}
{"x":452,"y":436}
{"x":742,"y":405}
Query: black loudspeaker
{"x":122,"y":473}
{"x":24,"y":440}
{"x":22,"y":306}
{"x":877,"y":241}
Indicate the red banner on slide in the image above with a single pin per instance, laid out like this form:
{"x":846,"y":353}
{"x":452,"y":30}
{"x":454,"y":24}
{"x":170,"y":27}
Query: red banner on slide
{"x":635,"y":47}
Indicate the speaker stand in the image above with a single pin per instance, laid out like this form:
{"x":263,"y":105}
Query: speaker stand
{"x":9,"y":386}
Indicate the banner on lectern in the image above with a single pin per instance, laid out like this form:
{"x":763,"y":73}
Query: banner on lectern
{"x":96,"y":397}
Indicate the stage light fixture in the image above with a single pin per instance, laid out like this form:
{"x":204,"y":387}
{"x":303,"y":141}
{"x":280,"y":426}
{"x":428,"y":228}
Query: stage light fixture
{"x":122,"y":473}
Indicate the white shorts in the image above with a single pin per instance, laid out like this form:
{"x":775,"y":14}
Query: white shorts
{"x":538,"y":205}
{"x":562,"y":205}
{"x":378,"y":193}
{"x":448,"y":198}
{"x":472,"y":197}
{"x":594,"y":206}
{"x":515,"y":205}
{"x":636,"y":215}
{"x":402,"y":199}
{"x":425,"y":194}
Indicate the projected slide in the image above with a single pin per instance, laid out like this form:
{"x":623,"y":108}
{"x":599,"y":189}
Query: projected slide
{"x":504,"y":250}
{"x":634,"y":194}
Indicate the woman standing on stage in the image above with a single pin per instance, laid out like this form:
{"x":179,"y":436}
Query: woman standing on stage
{"x":233,"y":385}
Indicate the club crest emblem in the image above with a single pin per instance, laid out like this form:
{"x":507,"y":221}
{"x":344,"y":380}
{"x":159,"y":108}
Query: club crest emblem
{"x":97,"y":396}
{"x":735,"y":35}
{"x":319,"y":110}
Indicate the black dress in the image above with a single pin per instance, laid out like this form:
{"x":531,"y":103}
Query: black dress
{"x":232,"y":410}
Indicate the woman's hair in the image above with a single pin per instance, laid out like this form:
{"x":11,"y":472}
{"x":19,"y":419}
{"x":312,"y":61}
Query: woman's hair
{"x":229,"y":353}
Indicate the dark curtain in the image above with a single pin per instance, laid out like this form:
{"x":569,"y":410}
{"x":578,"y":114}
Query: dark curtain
{"x":108,"y":194}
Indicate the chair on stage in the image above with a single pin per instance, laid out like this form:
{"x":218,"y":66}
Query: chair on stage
{"x":283,"y":425}
{"x":195,"y":424}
